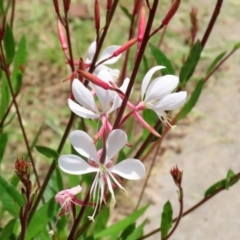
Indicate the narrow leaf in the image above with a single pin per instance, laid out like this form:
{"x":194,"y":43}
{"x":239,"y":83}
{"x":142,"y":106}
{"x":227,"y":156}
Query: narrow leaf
{"x":5,"y":96}
{"x":138,"y":232}
{"x":119,"y":226}
{"x":8,"y":229}
{"x":236,"y":46}
{"x":162,"y":60}
{"x":166,"y":222}
{"x":192,"y":101}
{"x":47,"y":152}
{"x":40,"y":219}
{"x":9,"y":44}
{"x":189,"y":66}
{"x":215,"y":62}
{"x":127,"y":231}
{"x":125,"y":10}
{"x":1,"y":7}
{"x":215,"y":187}
{"x":19,"y":63}
{"x":3,"y":143}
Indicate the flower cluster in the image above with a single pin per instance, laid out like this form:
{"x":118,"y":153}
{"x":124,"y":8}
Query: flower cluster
{"x":99,"y":102}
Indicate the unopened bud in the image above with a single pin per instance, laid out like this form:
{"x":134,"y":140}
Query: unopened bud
{"x":124,"y":47}
{"x":141,"y":22}
{"x":109,"y":5}
{"x":97,"y":14}
{"x":56,"y":6}
{"x":171,"y":12}
{"x":22,"y":168}
{"x":95,"y":80}
{"x":136,"y":7}
{"x":177,"y":175}
{"x":62,"y":36}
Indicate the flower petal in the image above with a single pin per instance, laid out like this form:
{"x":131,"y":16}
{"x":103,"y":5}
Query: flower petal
{"x":131,"y":168}
{"x":83,"y":96}
{"x":160,"y":87}
{"x":81,"y":111}
{"x":115,"y":141}
{"x":147,"y":78}
{"x":75,"y":165}
{"x":91,"y":51}
{"x":83,"y":144}
{"x":171,"y":102}
{"x":108,"y":52}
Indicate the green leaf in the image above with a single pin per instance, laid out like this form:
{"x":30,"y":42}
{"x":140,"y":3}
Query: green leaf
{"x":230,"y":174}
{"x":101,"y":221}
{"x":192,"y":101}
{"x":3,"y":143}
{"x":8,"y":229}
{"x":47,"y":152}
{"x":138,"y":232}
{"x":189,"y":66}
{"x":41,"y":218}
{"x":5,"y":96}
{"x":236,"y":46}
{"x":127,"y":231}
{"x":215,"y":187}
{"x":10,"y":198}
{"x":122,"y":224}
{"x":166,"y":222}
{"x":125,"y":10}
{"x":145,"y":64}
{"x":9,"y":44}
{"x":2,"y":8}
{"x":215,"y":62}
{"x":162,"y":60}
{"x":19,"y":63}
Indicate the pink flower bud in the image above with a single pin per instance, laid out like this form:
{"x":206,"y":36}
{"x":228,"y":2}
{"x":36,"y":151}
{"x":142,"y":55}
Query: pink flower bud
{"x":95,"y":80}
{"x":97,"y":14}
{"x":124,"y":47}
{"x":141,"y":22}
{"x":171,"y":12}
{"x":177,"y":175}
{"x":62,"y":36}
{"x":137,"y":5}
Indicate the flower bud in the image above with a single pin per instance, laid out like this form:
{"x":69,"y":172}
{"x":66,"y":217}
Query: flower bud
{"x":124,"y":47}
{"x":97,"y":14}
{"x":177,"y":175}
{"x":171,"y":12}
{"x":61,"y":36}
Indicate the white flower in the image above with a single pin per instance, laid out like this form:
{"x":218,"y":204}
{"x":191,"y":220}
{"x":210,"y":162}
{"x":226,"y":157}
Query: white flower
{"x":130,"y":168}
{"x":108,"y":52}
{"x":157,"y":94}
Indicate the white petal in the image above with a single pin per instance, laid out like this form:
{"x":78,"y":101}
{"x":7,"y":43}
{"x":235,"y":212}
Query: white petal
{"x":75,"y":165}
{"x":108,"y":52}
{"x":91,"y":51}
{"x":115,"y":141}
{"x":113,"y":72}
{"x":160,"y":87}
{"x":83,"y":144}
{"x":132,"y":169}
{"x":171,"y":102}
{"x":83,"y":96}
{"x":147,"y":78}
{"x":81,"y":111}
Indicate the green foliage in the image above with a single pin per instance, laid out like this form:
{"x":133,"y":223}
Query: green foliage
{"x":236,"y":46}
{"x":47,"y":152}
{"x":166,"y":222}
{"x":137,"y":232}
{"x":127,"y":232}
{"x":41,"y":218}
{"x":19,"y":64}
{"x":215,"y":62}
{"x":8,"y":229}
{"x":3,"y":143}
{"x":11,"y":199}
{"x":162,"y":60}
{"x":126,"y":12}
{"x":189,"y":66}
{"x":9,"y":44}
{"x":5,"y":96}
{"x":224,"y":183}
{"x":121,"y":225}
{"x":192,"y":100}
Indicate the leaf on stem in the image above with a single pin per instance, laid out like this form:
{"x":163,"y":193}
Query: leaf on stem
{"x":189,"y":66}
{"x":192,"y":101}
{"x":8,"y":229}
{"x":137,"y":232}
{"x":47,"y":152}
{"x":126,"y":12}
{"x":166,"y":222}
{"x":236,"y":46}
{"x":162,"y":60}
{"x":3,"y":143}
{"x":121,"y":225}
{"x":4,"y":96}
{"x":127,"y":232}
{"x":9,"y":44}
{"x":215,"y":62}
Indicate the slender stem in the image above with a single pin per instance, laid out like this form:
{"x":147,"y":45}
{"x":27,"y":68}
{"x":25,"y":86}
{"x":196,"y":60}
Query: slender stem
{"x":212,"y":22}
{"x":18,"y":113}
{"x":53,"y":165}
{"x":137,"y":63}
{"x":12,"y":13}
{"x":204,"y":200}
{"x":179,"y":215}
